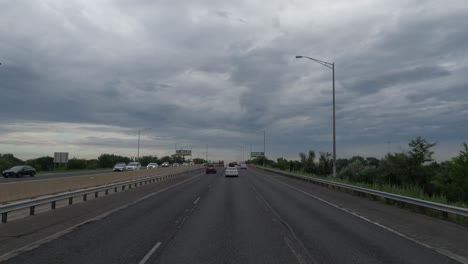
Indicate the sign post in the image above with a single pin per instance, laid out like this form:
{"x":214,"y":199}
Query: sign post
{"x":60,"y":157}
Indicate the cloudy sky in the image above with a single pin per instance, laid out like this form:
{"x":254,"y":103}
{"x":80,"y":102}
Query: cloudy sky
{"x":85,"y":76}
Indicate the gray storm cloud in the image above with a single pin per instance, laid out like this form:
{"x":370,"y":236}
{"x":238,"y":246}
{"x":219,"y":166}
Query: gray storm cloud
{"x":188,"y":69}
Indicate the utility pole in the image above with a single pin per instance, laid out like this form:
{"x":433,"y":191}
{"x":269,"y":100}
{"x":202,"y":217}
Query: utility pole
{"x":264,"y":144}
{"x":206,"y":152}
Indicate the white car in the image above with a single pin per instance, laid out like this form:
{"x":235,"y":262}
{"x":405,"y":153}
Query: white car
{"x":133,"y":166}
{"x":152,"y":165}
{"x":231,"y":172}
{"x":243,"y":166}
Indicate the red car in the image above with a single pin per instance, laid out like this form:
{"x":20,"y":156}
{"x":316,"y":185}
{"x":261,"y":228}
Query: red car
{"x":210,"y":168}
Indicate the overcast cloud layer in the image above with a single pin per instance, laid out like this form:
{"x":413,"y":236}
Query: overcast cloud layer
{"x":84,"y":76}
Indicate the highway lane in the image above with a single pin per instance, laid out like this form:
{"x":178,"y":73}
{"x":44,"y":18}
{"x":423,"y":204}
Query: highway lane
{"x":59,"y":175}
{"x":53,"y":175}
{"x":213,"y":219}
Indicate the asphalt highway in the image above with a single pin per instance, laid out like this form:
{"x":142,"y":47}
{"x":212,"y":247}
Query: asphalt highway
{"x":199,"y":218}
{"x":53,"y":175}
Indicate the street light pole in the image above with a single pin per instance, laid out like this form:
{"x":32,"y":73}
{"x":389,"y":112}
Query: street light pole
{"x":139,"y":132}
{"x":138,"y":155}
{"x":334,"y":126}
{"x":331,"y":66}
{"x":264,"y":144}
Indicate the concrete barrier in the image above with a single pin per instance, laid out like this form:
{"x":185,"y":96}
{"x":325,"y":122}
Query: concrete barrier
{"x":14,"y":191}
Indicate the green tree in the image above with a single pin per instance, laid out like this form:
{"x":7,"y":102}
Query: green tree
{"x":92,"y":164}
{"x":145,"y":160}
{"x":394,"y":169}
{"x":199,"y":161}
{"x":352,"y":171}
{"x":42,"y":163}
{"x":421,"y":150}
{"x":452,"y":180}
{"x":325,"y":164}
{"x":76,"y":164}
{"x":341,"y":163}
{"x":308,"y":162}
{"x":420,"y":153}
{"x":282,"y":164}
{"x":166,"y":159}
{"x":371,"y":161}
{"x":8,"y":160}
{"x":109,"y":160}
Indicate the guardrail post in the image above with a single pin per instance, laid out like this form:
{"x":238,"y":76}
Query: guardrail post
{"x":32,"y":210}
{"x":53,"y":204}
{"x":445,"y":215}
{"x":130,"y":186}
{"x":70,"y":200}
{"x":4,"y":217}
{"x":115,"y":189}
{"x":85,"y":197}
{"x":123,"y":187}
{"x":96,"y":194}
{"x":107,"y":191}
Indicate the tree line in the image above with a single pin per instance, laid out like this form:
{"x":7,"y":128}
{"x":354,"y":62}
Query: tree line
{"x":104,"y":161}
{"x":415,"y":167}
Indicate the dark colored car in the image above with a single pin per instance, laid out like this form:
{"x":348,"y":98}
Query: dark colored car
{"x":210,"y":168}
{"x":18,"y":171}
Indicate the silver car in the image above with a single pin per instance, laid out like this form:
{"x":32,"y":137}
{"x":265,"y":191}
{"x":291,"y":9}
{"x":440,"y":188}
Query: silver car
{"x":152,"y":165}
{"x":133,"y":166}
{"x":231,"y":172}
{"x":119,"y":166}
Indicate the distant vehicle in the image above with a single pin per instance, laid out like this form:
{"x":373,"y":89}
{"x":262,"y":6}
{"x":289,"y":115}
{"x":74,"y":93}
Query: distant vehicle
{"x":231,"y":172}
{"x":120,"y":166}
{"x":185,"y":164}
{"x":165,"y":164}
{"x":133,"y":166}
{"x":18,"y":171}
{"x":175,"y":164}
{"x":243,"y":166}
{"x":152,"y":165}
{"x":231,"y":164}
{"x":210,"y":168}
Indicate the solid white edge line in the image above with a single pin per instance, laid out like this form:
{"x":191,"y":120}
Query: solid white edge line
{"x":150,"y":253}
{"x":38,"y":243}
{"x":440,"y":251}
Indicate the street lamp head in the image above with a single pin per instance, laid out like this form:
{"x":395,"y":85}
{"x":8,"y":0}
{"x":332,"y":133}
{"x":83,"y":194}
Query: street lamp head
{"x":299,"y":57}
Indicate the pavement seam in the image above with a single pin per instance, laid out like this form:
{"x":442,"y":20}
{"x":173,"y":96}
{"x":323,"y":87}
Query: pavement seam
{"x":50,"y":238}
{"x":298,"y":256}
{"x":444,"y":252}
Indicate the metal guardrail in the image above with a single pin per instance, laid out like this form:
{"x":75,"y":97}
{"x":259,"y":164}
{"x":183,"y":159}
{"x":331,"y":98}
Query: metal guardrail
{"x":52,"y":199}
{"x":445,"y":209}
